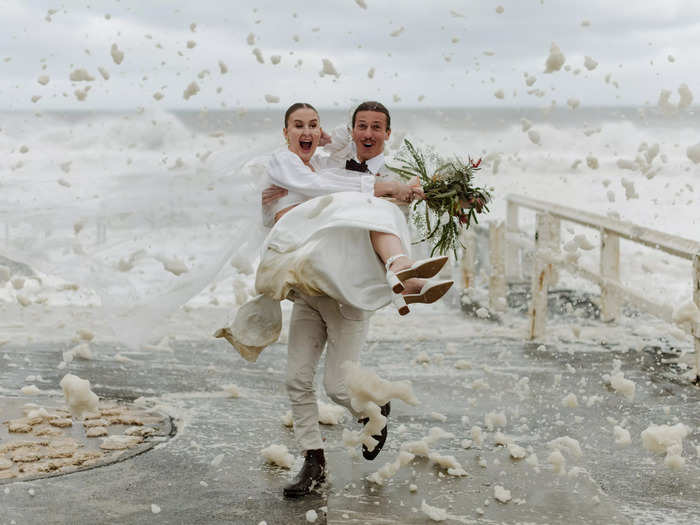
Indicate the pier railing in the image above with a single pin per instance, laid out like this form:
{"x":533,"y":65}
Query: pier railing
{"x":507,"y":243}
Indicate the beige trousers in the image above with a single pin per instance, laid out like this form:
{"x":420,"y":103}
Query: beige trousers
{"x":319,"y":322}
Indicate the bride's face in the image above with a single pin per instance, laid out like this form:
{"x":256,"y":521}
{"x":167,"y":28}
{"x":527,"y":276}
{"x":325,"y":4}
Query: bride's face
{"x":303,"y":132}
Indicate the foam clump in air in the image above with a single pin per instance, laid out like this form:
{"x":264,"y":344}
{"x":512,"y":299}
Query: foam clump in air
{"x":328,"y":69}
{"x":555,"y":60}
{"x":434,"y":513}
{"x":329,"y":414}
{"x":693,"y":153}
{"x":499,"y":94}
{"x":271,"y":99}
{"x":668,"y":107}
{"x":367,"y":393}
{"x":686,"y":96}
{"x":117,"y":55}
{"x":43,"y":80}
{"x":311,"y":516}
{"x":190,"y":90}
{"x":361,"y":3}
{"x":573,"y":103}
{"x":590,"y":63}
{"x":81,"y":75}
{"x":79,"y":397}
{"x":630,"y":191}
{"x":534,"y":136}
{"x":278,"y":455}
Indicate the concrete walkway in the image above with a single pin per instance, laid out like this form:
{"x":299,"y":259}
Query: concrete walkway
{"x":211,"y":470}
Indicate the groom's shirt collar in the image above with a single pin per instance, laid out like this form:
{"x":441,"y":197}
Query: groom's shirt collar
{"x":374,"y":164}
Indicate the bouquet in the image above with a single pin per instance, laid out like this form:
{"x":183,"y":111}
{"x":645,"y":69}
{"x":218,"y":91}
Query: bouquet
{"x":451,"y":201}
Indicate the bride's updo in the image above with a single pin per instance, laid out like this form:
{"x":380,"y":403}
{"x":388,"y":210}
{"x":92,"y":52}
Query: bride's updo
{"x":297,"y":105}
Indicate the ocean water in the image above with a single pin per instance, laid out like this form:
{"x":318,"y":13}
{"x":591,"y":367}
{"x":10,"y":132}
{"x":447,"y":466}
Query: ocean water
{"x":145,"y":209}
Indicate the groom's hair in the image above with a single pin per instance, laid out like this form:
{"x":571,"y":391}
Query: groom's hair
{"x":372,"y":105}
{"x":294,"y":107}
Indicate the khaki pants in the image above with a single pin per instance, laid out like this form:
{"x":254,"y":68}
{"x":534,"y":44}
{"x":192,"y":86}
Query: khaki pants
{"x":319,"y":322}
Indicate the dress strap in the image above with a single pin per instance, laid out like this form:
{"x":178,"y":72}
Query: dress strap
{"x":391,"y":259}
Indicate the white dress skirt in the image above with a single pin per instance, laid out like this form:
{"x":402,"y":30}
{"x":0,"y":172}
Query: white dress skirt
{"x":323,"y":247}
{"x":320,"y":247}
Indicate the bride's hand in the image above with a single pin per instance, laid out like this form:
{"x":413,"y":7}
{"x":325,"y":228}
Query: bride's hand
{"x":272,"y":193}
{"x":325,"y":139}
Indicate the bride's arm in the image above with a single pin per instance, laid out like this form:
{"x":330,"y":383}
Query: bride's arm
{"x":288,"y":171}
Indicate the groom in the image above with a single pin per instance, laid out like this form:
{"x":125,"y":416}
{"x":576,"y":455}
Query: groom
{"x":320,"y":321}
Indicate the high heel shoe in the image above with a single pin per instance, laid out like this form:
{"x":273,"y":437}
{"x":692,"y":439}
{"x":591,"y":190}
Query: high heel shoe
{"x":423,"y":269}
{"x":400,"y":303}
{"x":431,"y":292}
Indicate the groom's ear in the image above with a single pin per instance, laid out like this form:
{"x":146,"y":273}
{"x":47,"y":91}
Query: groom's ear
{"x":388,"y":134}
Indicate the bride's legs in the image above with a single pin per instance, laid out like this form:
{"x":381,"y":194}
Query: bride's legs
{"x":388,"y":244}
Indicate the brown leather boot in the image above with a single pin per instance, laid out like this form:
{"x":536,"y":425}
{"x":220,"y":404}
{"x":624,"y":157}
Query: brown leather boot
{"x":381,"y":438}
{"x":311,"y":475}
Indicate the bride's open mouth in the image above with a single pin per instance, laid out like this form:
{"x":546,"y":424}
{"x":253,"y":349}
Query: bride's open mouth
{"x":305,"y":145}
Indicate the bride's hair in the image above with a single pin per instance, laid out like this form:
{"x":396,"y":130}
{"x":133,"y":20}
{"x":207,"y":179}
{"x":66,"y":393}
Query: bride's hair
{"x":294,"y":107}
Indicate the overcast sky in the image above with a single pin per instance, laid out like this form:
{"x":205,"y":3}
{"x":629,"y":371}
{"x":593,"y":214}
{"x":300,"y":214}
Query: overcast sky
{"x":447,"y":53}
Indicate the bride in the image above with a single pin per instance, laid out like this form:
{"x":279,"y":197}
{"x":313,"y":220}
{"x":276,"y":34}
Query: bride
{"x":332,"y":236}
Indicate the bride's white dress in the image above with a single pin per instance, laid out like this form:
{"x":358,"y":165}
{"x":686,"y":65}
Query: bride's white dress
{"x":323,"y":247}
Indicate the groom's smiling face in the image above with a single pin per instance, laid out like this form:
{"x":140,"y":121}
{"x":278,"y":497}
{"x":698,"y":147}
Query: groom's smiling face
{"x":369,"y":133}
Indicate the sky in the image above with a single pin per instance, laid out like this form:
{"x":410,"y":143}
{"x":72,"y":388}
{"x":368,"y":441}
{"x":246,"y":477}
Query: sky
{"x":442,"y":53}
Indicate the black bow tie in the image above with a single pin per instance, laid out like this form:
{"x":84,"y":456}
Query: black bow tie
{"x":353,"y":165}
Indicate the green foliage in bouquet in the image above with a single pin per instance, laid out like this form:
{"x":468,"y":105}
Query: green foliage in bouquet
{"x":450,"y":201}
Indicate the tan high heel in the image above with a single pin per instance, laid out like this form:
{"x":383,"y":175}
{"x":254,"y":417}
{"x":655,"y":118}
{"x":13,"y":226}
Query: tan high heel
{"x":423,"y":269}
{"x":429,"y":293}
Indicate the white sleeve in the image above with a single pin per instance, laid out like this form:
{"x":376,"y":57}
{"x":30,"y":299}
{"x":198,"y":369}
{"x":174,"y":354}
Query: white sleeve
{"x":341,"y":146}
{"x":287,"y":170}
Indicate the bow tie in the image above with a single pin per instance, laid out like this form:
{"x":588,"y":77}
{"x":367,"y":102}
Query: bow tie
{"x":353,"y":165}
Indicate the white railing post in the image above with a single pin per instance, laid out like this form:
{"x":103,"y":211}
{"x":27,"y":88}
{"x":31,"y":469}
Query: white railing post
{"x":546,"y":234}
{"x":468,"y":261}
{"x":696,"y":300}
{"x":513,"y":267}
{"x":497,"y":277}
{"x":609,"y":269}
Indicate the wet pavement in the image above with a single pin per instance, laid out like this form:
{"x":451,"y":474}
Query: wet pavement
{"x":462,"y":369}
